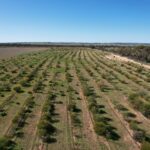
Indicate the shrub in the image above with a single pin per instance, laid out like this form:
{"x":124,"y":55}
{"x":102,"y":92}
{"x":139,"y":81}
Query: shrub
{"x":129,"y":114}
{"x":51,"y":108}
{"x":72,"y":107}
{"x":103,"y":119}
{"x":121,"y":107}
{"x":52,"y":96}
{"x":6,"y":144}
{"x":62,"y":93}
{"x":139,"y":135}
{"x":104,"y":87}
{"x":143,"y":107}
{"x":3,"y":113}
{"x":18,"y":89}
{"x":45,"y":130}
{"x":106,"y":130}
{"x":143,"y":93}
{"x":19,"y":120}
{"x":88,"y":91}
{"x":45,"y":127}
{"x":76,"y":121}
{"x":147,"y":138}
{"x":69,"y":77}
{"x":146,"y":110}
{"x":38,"y":86}
{"x":133,"y":96}
{"x":2,"y":95}
{"x":25,"y":83}
{"x":134,"y":126}
{"x":140,"y":69}
{"x":93,"y":106}
{"x":5,"y":87}
{"x":14,"y":71}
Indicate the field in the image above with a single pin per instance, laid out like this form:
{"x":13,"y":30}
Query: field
{"x":73,"y":99}
{"x":7,"y":52}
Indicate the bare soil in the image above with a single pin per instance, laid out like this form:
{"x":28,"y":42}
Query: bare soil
{"x":125,"y":59}
{"x":6,"y":52}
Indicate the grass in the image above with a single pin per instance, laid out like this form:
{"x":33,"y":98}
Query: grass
{"x":80,"y":100}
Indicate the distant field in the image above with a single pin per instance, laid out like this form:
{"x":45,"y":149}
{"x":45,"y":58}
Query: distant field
{"x":6,"y":52}
{"x":73,"y":99}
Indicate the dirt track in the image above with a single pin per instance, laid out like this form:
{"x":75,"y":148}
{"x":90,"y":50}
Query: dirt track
{"x":121,"y":58}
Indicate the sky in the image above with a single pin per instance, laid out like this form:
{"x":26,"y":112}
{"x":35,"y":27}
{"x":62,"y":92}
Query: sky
{"x":75,"y":21}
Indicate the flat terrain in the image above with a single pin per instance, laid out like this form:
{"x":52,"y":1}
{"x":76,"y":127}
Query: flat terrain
{"x":73,"y":99}
{"x":6,"y":52}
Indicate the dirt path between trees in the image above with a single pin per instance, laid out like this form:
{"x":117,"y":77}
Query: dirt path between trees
{"x":88,"y":122}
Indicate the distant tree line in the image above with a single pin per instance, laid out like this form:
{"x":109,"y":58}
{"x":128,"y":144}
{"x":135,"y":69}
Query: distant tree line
{"x":141,"y":53}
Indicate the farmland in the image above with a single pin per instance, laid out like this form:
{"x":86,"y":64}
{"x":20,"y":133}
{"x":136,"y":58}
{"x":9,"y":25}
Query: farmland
{"x":73,"y":99}
{"x":7,"y":52}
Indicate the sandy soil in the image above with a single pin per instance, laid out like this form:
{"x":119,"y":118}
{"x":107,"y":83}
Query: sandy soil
{"x":89,"y":129}
{"x":128,"y":135}
{"x":125,"y":59}
{"x":6,"y":52}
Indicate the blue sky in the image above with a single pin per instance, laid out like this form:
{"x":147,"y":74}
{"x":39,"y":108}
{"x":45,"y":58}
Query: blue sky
{"x":75,"y":20}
